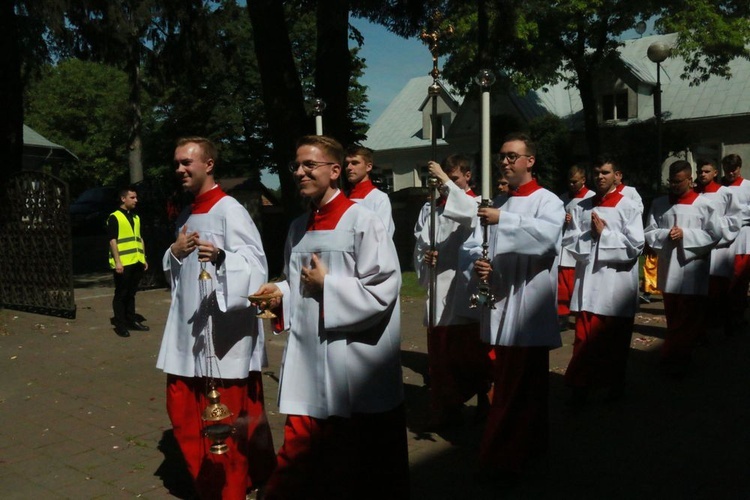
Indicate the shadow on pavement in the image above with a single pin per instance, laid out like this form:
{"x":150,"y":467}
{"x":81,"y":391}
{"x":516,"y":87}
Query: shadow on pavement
{"x":665,"y":438}
{"x":173,"y":471}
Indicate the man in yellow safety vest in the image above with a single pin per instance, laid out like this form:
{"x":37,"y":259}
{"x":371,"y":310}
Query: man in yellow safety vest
{"x":127,"y":259}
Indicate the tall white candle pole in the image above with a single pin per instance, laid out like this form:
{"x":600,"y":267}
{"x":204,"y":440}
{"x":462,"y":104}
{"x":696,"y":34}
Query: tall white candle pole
{"x":485,"y":79}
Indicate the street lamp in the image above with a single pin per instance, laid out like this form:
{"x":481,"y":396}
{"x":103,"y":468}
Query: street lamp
{"x":657,"y":52}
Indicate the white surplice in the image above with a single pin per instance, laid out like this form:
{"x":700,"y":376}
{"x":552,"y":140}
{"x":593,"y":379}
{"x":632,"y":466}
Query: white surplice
{"x":237,"y":347}
{"x":378,"y":201}
{"x":683,"y":266}
{"x":523,"y":248}
{"x":454,"y":224}
{"x":566,"y":259}
{"x":729,"y":211}
{"x":343,"y":351}
{"x":606,"y":276}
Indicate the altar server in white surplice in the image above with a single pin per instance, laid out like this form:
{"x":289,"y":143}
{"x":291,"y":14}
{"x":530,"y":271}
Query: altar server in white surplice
{"x":341,"y":384}
{"x":524,"y":239}
{"x":212,"y":332}
{"x":682,"y":228}
{"x":731,"y":165}
{"x":576,"y":193}
{"x":605,"y":237}
{"x":729,"y":210}
{"x":359,"y":163}
{"x":458,"y":361}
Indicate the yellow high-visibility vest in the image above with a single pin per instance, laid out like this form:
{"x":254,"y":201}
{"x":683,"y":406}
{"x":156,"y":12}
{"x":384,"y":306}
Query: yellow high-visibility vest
{"x":129,"y":242}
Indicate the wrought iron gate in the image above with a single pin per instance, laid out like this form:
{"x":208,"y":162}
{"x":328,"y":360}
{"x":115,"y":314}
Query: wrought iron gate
{"x":36,"y":272}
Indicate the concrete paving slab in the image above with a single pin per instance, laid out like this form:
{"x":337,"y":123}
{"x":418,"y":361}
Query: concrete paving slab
{"x":82,"y":415}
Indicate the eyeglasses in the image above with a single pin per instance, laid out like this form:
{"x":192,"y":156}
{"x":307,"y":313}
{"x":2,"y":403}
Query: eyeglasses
{"x":308,"y":165}
{"x":511,"y":157}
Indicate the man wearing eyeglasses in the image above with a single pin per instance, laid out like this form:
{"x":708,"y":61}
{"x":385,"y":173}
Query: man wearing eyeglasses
{"x":577,"y":192}
{"x":731,"y":164}
{"x":359,"y":163}
{"x":682,"y":228}
{"x":212,"y":333}
{"x":605,"y":237}
{"x":341,"y":384}
{"x":458,"y":362}
{"x":524,"y":240}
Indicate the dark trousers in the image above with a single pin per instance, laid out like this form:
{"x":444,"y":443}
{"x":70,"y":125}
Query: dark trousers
{"x":126,"y":285}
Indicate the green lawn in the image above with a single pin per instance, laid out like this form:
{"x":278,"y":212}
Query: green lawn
{"x":410,"y":286}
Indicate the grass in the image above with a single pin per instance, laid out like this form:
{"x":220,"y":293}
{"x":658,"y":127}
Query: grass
{"x":410,"y":287}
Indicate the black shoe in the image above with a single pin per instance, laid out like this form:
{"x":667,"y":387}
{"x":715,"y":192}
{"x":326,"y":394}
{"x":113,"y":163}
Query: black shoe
{"x":121,"y":331}
{"x":139,"y":327}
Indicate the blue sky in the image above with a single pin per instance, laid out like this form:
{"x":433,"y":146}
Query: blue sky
{"x":391,"y":62}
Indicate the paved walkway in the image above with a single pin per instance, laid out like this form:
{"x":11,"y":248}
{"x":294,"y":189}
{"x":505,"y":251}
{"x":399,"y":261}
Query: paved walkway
{"x":82,"y":416}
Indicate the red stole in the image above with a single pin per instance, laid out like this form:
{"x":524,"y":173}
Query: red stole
{"x":609,"y":200}
{"x":582,"y":192}
{"x":736,"y":182}
{"x":329,"y":215}
{"x":205,"y":202}
{"x":359,"y":191}
{"x":526,"y":189}
{"x":686,"y":199}
{"x":711,"y":187}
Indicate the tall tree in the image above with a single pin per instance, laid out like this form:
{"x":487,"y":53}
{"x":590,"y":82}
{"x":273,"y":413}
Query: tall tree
{"x":282,"y":89}
{"x":23,"y":50}
{"x":11,"y":92}
{"x":79,"y":104}
{"x":118,"y":33}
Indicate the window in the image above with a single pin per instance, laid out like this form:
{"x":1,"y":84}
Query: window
{"x":615,"y":106}
{"x":386,"y":181}
{"x":444,"y":121}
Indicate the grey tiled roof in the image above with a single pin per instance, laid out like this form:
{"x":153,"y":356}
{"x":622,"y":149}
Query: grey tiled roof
{"x":716,"y":97}
{"x":400,"y":125}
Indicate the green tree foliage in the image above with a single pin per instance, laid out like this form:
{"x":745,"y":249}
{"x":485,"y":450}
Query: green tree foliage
{"x":711,"y":34}
{"x":79,"y":105}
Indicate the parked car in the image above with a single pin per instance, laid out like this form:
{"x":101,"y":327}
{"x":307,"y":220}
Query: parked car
{"x":89,"y":212}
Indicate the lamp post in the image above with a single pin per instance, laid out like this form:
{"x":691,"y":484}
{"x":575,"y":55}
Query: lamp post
{"x":318,"y":106}
{"x":657,"y":52}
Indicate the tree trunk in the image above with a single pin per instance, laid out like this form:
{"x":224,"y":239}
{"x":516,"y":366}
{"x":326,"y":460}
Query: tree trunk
{"x":333,"y":67}
{"x":135,"y":147}
{"x":590,"y":114}
{"x":282,"y":91}
{"x":11,"y":94}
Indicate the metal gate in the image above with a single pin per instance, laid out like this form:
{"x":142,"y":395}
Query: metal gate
{"x":36,"y":270}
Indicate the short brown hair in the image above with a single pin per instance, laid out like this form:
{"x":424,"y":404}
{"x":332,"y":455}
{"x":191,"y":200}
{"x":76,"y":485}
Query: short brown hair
{"x":731,"y":162}
{"x":329,"y":145}
{"x":454,"y":162}
{"x":357,"y":150}
{"x":523,"y":137}
{"x":207,"y":147}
